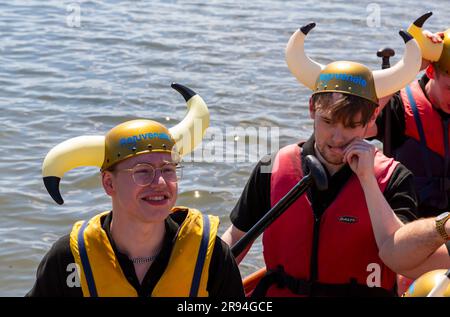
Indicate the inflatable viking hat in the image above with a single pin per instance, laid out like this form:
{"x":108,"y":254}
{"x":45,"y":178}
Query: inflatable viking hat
{"x":127,"y":139}
{"x":350,"y":77}
{"x":427,"y":282}
{"x":438,"y":53}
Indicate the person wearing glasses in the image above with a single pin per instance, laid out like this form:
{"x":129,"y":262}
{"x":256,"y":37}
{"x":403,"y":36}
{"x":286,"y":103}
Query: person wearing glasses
{"x":145,"y":246}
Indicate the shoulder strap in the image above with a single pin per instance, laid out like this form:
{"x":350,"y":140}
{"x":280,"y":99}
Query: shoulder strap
{"x":85,"y":261}
{"x":423,"y":141}
{"x":200,"y":258}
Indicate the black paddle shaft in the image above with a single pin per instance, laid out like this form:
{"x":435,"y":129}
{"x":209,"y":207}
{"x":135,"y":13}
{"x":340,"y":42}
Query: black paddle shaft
{"x":385,"y":54}
{"x":316,"y":176}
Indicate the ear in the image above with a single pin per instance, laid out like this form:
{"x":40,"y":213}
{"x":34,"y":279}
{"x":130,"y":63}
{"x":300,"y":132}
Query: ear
{"x":107,"y":182}
{"x":430,"y":71}
{"x":312,"y":111}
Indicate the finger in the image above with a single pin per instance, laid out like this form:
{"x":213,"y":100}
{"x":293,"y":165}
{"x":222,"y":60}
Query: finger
{"x":358,"y":151}
{"x":427,"y":33}
{"x":361,"y":146}
{"x":362,"y":149}
{"x":351,"y":158}
{"x":434,"y":37}
{"x":437,"y":39}
{"x":353,"y":143}
{"x":349,"y":154}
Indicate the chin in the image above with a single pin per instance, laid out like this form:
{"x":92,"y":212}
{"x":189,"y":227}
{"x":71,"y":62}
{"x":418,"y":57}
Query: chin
{"x":331,"y":159}
{"x":154,"y":215}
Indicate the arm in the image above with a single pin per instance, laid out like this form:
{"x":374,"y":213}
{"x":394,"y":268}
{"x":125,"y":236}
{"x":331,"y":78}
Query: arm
{"x":416,"y":248}
{"x":231,"y":236}
{"x":360,"y":156}
{"x":252,"y":205}
{"x":384,"y":221}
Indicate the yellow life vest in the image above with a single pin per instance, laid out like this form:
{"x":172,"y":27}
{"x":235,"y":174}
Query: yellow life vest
{"x":186,"y":274}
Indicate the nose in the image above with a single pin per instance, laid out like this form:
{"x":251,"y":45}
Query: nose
{"x":337,"y":135}
{"x":158,"y":179}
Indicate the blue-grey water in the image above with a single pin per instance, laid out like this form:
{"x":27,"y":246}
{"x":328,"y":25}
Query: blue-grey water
{"x":71,"y":68}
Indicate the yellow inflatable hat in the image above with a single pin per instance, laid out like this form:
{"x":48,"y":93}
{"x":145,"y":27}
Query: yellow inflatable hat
{"x":127,"y":139}
{"x":350,"y":77}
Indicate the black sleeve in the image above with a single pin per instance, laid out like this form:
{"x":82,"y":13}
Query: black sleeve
{"x":401,"y":195}
{"x":255,"y":198}
{"x":54,"y":271}
{"x":224,"y":276}
{"x":398,"y":125}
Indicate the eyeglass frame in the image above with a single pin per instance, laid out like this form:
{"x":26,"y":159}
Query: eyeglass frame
{"x":178,"y":167}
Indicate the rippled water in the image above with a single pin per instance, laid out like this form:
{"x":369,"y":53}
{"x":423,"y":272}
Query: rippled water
{"x":59,"y":80}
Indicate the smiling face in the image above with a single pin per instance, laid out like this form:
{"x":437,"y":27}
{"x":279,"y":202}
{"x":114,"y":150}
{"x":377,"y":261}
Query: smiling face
{"x":149,"y":203}
{"x":337,"y":122}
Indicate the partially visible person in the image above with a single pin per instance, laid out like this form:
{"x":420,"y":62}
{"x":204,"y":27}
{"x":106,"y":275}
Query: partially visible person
{"x":420,"y":123}
{"x":420,"y":115}
{"x":145,"y":246}
{"x":327,"y":243}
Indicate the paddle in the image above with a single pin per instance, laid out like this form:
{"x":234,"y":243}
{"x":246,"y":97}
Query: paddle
{"x":385,"y":54}
{"x":316,"y":176}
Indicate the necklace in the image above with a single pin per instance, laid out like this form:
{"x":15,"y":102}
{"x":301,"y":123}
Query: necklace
{"x":142,"y":260}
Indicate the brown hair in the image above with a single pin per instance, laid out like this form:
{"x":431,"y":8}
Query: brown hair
{"x":345,"y":109}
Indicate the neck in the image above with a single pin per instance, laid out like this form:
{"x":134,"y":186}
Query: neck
{"x":135,"y":238}
{"x":331,"y":168}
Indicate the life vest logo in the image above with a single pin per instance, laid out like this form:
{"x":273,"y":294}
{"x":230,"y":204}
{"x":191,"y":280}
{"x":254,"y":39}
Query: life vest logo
{"x":348,"y":219}
{"x":358,"y":80}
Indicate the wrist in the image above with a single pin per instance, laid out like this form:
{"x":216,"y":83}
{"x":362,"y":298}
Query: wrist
{"x":367,"y":180}
{"x":443,"y":225}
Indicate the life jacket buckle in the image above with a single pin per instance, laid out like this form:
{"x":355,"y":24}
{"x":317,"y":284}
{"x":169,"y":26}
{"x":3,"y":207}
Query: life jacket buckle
{"x":296,"y":286}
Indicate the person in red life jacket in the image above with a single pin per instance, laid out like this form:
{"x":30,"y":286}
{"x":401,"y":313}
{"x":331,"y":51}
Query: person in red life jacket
{"x":144,"y":246}
{"x":420,"y":116}
{"x":420,"y":123}
{"x":327,"y":242}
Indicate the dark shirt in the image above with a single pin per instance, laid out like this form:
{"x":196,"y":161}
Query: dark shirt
{"x":224,"y":277}
{"x":255,"y":199}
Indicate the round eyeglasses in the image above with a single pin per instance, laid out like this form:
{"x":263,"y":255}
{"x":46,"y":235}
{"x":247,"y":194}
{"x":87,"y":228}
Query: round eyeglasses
{"x":143,"y":174}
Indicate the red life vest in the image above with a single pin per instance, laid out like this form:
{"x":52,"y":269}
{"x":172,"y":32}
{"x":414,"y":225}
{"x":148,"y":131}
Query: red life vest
{"x":425,"y":152}
{"x":429,"y":117}
{"x":346,"y":249}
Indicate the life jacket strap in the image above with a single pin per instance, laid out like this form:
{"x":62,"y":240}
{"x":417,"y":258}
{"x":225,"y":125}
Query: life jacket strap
{"x":423,"y":140}
{"x":303,"y":287}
